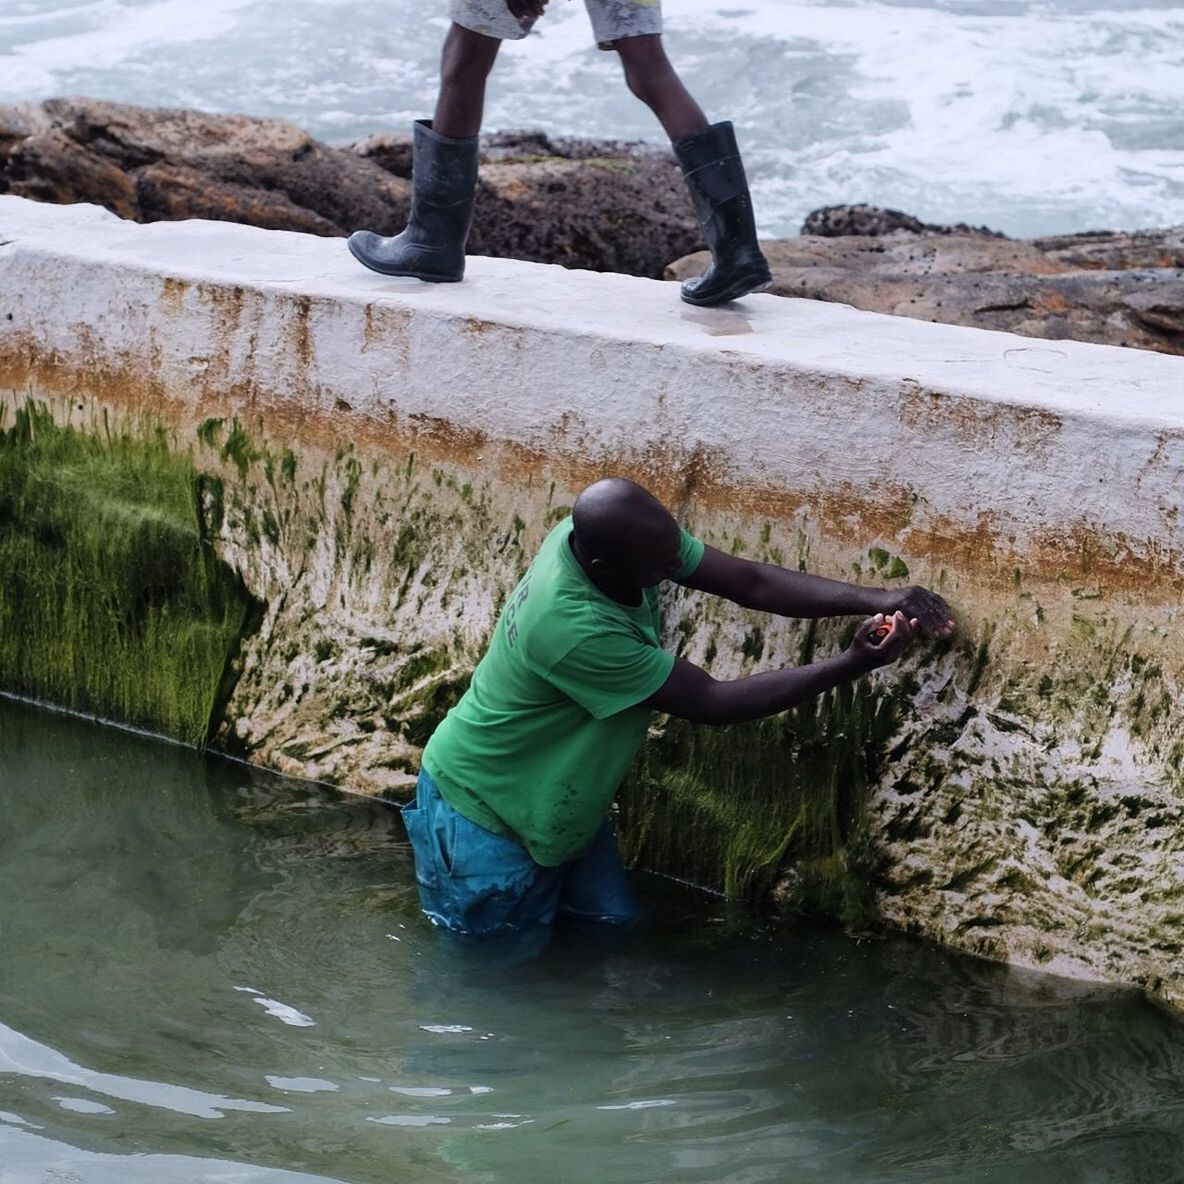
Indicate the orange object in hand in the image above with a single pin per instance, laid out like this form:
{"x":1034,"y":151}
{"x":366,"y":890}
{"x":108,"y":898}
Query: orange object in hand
{"x":877,"y":635}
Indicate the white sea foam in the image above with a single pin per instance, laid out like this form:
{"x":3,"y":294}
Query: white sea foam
{"x":1034,"y":116}
{"x":111,"y":33}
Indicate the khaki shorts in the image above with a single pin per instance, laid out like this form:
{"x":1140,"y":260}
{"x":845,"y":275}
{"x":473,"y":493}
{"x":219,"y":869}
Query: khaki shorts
{"x":611,"y":19}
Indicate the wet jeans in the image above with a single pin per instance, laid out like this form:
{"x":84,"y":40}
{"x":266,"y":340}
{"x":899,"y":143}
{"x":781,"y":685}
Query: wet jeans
{"x":475,"y":882}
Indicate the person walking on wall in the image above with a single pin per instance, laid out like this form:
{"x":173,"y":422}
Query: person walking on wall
{"x":509,"y":824}
{"x":444,"y":173}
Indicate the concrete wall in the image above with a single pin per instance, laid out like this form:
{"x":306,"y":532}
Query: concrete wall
{"x":392,"y":452}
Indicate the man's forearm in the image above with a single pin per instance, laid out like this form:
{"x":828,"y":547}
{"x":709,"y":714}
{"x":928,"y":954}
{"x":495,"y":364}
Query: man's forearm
{"x":799,"y":594}
{"x":771,"y":589}
{"x":772,"y":691}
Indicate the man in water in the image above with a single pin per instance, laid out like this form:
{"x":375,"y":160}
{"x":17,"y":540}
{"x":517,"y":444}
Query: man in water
{"x":444,"y":174}
{"x":510,"y":818}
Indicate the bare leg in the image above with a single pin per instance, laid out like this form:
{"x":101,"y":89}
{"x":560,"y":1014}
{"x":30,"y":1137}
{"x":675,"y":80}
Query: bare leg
{"x":444,"y":174}
{"x":465,"y":64}
{"x":714,"y":174}
{"x":651,"y":77}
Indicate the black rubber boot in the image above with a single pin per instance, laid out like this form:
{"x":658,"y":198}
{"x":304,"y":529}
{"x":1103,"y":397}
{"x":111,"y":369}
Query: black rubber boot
{"x":443,"y":186}
{"x":714,"y":173}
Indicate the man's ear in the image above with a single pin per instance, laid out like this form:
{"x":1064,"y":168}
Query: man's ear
{"x":604,"y":568}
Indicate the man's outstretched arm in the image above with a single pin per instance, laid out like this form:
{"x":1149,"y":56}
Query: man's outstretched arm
{"x":772,"y":589}
{"x":692,"y":694}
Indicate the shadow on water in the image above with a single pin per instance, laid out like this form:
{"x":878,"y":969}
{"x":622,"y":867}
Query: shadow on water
{"x":208,"y":972}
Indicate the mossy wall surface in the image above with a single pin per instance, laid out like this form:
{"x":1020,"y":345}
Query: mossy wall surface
{"x":113,"y":600}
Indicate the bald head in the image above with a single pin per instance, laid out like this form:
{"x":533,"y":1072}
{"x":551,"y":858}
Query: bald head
{"x":623,"y":529}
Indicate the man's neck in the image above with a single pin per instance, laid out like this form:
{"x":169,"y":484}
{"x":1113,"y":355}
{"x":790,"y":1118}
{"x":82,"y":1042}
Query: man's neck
{"x":629,"y":596}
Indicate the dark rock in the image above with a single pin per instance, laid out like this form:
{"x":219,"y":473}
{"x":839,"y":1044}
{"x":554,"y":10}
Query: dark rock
{"x":1158,"y":313}
{"x":156,"y":164}
{"x":862,"y":219}
{"x":605,"y":213}
{"x":1109,"y":250}
{"x":391,"y":151}
{"x":602,"y":206}
{"x":48,"y":166}
{"x":523,"y":146}
{"x":1111,"y":288}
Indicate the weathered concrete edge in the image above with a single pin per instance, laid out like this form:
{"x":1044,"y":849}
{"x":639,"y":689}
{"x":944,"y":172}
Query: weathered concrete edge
{"x":1025,"y":447}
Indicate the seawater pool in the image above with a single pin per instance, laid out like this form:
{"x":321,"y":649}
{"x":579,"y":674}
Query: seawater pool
{"x":209,"y":974}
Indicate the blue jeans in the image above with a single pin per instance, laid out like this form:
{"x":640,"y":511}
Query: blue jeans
{"x":475,"y":882}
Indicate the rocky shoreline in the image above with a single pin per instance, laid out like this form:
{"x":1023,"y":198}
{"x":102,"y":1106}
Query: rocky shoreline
{"x":1107,"y":287}
{"x":604,"y":206}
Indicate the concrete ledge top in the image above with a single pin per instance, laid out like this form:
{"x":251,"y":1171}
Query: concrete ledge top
{"x":1071,"y":379}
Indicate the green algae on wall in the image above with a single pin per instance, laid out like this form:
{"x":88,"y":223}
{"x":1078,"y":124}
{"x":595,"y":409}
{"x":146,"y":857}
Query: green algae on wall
{"x":779,"y":801}
{"x":381,"y":574}
{"x":113,"y":600}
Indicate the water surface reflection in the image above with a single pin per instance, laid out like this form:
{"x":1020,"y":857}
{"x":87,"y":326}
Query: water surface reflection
{"x":207,"y":973}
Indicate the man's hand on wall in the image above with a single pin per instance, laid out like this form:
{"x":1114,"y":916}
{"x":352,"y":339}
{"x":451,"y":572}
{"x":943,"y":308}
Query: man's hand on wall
{"x":928,"y":612}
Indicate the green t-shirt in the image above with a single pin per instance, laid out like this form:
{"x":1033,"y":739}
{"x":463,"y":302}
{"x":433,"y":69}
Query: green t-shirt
{"x":552,"y":719}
